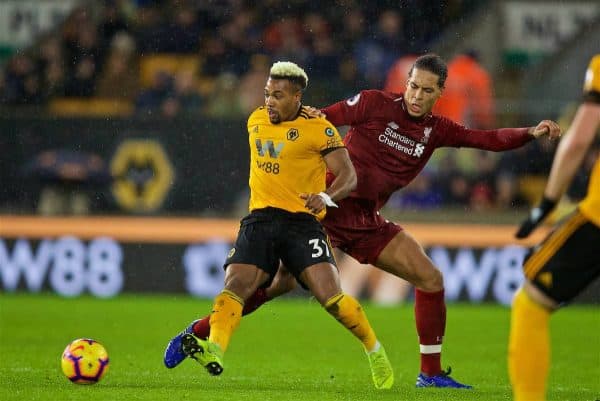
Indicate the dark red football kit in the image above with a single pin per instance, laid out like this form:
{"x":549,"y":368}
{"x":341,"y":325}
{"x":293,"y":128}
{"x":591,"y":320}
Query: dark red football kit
{"x":389,"y":148}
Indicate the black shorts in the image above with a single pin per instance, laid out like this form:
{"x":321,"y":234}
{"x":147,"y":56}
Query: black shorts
{"x":268,"y":236}
{"x":567,"y":260}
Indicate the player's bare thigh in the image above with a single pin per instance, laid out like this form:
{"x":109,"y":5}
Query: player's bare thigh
{"x":405,"y":258}
{"x":243,"y":279}
{"x":323,"y":281}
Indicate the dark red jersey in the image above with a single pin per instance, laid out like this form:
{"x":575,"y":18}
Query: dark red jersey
{"x":389,"y":148}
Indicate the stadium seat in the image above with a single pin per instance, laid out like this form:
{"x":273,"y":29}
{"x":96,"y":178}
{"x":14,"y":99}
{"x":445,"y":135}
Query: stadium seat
{"x":169,"y":63}
{"x":90,"y":107}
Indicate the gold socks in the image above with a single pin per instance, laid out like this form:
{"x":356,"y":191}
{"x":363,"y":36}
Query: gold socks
{"x":348,"y":312}
{"x":225,"y":318}
{"x":528,"y":349}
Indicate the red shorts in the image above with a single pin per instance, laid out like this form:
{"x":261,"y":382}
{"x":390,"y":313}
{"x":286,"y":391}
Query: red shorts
{"x":357,"y":229}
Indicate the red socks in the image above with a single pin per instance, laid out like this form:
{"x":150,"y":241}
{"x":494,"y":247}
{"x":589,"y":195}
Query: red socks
{"x":430,"y":316}
{"x":202,"y":327}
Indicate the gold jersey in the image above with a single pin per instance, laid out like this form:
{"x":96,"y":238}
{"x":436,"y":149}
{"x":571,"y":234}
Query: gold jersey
{"x":286,"y":159}
{"x":590,"y":205}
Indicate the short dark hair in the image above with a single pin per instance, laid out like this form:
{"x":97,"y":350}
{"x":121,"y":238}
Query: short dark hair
{"x":298,"y":81}
{"x":433,"y":63}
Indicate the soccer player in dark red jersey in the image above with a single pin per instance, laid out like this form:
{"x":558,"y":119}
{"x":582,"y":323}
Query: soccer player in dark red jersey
{"x":391,"y":138}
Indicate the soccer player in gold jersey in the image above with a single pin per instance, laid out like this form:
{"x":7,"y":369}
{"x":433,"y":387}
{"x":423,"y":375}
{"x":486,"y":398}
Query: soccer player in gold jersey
{"x":566,"y":261}
{"x":290,"y":153}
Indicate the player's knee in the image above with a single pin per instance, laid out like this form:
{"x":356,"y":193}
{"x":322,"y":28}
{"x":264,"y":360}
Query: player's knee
{"x":243,"y":281}
{"x":432,"y":280}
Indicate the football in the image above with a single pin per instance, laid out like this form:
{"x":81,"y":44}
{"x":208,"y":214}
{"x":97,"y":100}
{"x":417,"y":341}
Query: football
{"x":84,"y":361}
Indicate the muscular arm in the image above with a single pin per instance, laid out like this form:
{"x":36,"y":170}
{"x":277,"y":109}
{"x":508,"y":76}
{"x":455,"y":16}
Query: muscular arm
{"x":338,"y":162}
{"x":571,"y":150}
{"x":567,"y":159}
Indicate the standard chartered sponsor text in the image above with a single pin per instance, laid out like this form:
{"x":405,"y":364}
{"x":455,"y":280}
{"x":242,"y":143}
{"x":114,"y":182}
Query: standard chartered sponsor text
{"x":397,"y":145}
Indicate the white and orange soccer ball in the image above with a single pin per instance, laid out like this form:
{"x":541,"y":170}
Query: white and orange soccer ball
{"x":84,"y":361}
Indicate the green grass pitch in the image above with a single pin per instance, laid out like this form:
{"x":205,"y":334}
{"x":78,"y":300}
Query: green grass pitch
{"x":288,"y":350}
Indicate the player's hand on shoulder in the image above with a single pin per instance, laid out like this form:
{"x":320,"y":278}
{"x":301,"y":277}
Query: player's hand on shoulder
{"x":313,"y":112}
{"x":313,"y":202}
{"x":546,"y":127}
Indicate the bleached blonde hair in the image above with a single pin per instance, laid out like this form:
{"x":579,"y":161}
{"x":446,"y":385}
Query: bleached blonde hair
{"x":290,"y":71}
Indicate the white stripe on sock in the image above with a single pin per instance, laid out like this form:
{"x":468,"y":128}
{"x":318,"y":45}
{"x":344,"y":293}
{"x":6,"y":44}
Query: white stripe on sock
{"x":376,"y":347}
{"x":430,"y":349}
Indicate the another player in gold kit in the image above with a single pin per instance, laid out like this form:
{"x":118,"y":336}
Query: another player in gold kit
{"x":566,"y":261}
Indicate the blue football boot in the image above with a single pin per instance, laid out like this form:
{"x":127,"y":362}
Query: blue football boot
{"x":174,"y":354}
{"x":441,"y":380}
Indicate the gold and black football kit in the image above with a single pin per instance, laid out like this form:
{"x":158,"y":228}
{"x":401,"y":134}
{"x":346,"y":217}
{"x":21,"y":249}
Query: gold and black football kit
{"x":286,"y":159}
{"x":568,"y":259}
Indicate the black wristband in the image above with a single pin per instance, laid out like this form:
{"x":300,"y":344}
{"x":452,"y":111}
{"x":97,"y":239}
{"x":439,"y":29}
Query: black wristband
{"x":546,"y":205}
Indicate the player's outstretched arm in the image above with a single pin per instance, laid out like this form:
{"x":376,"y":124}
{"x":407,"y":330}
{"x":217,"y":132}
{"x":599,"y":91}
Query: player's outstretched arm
{"x":568,"y":158}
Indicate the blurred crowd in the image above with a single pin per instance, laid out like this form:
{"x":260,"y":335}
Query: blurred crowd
{"x":178,"y":58}
{"x":98,"y":52}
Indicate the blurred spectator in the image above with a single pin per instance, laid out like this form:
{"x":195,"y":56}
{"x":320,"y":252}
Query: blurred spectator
{"x":51,"y":67}
{"x":181,"y":34}
{"x":225,"y":102}
{"x":348,"y":82}
{"x":457,"y":190}
{"x":112,"y":21}
{"x":324,"y":58}
{"x":351,"y":30}
{"x":120,"y":77}
{"x":81,"y":82}
{"x":185,"y":93}
{"x":284,"y":40}
{"x":468,"y":97}
{"x":507,"y":194}
{"x":242,"y":39}
{"x":398,"y":74}
{"x":483,"y":182}
{"x":426,"y":20}
{"x":376,"y":52}
{"x":215,"y":57}
{"x":148,"y":30}
{"x":21,"y":83}
{"x":420,"y":194}
{"x":53,"y":80}
{"x":68,"y":179}
{"x":481,"y":198}
{"x":323,"y":62}
{"x":84,"y":58}
{"x":533,"y":159}
{"x":150,"y":100}
{"x":253,"y":82}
